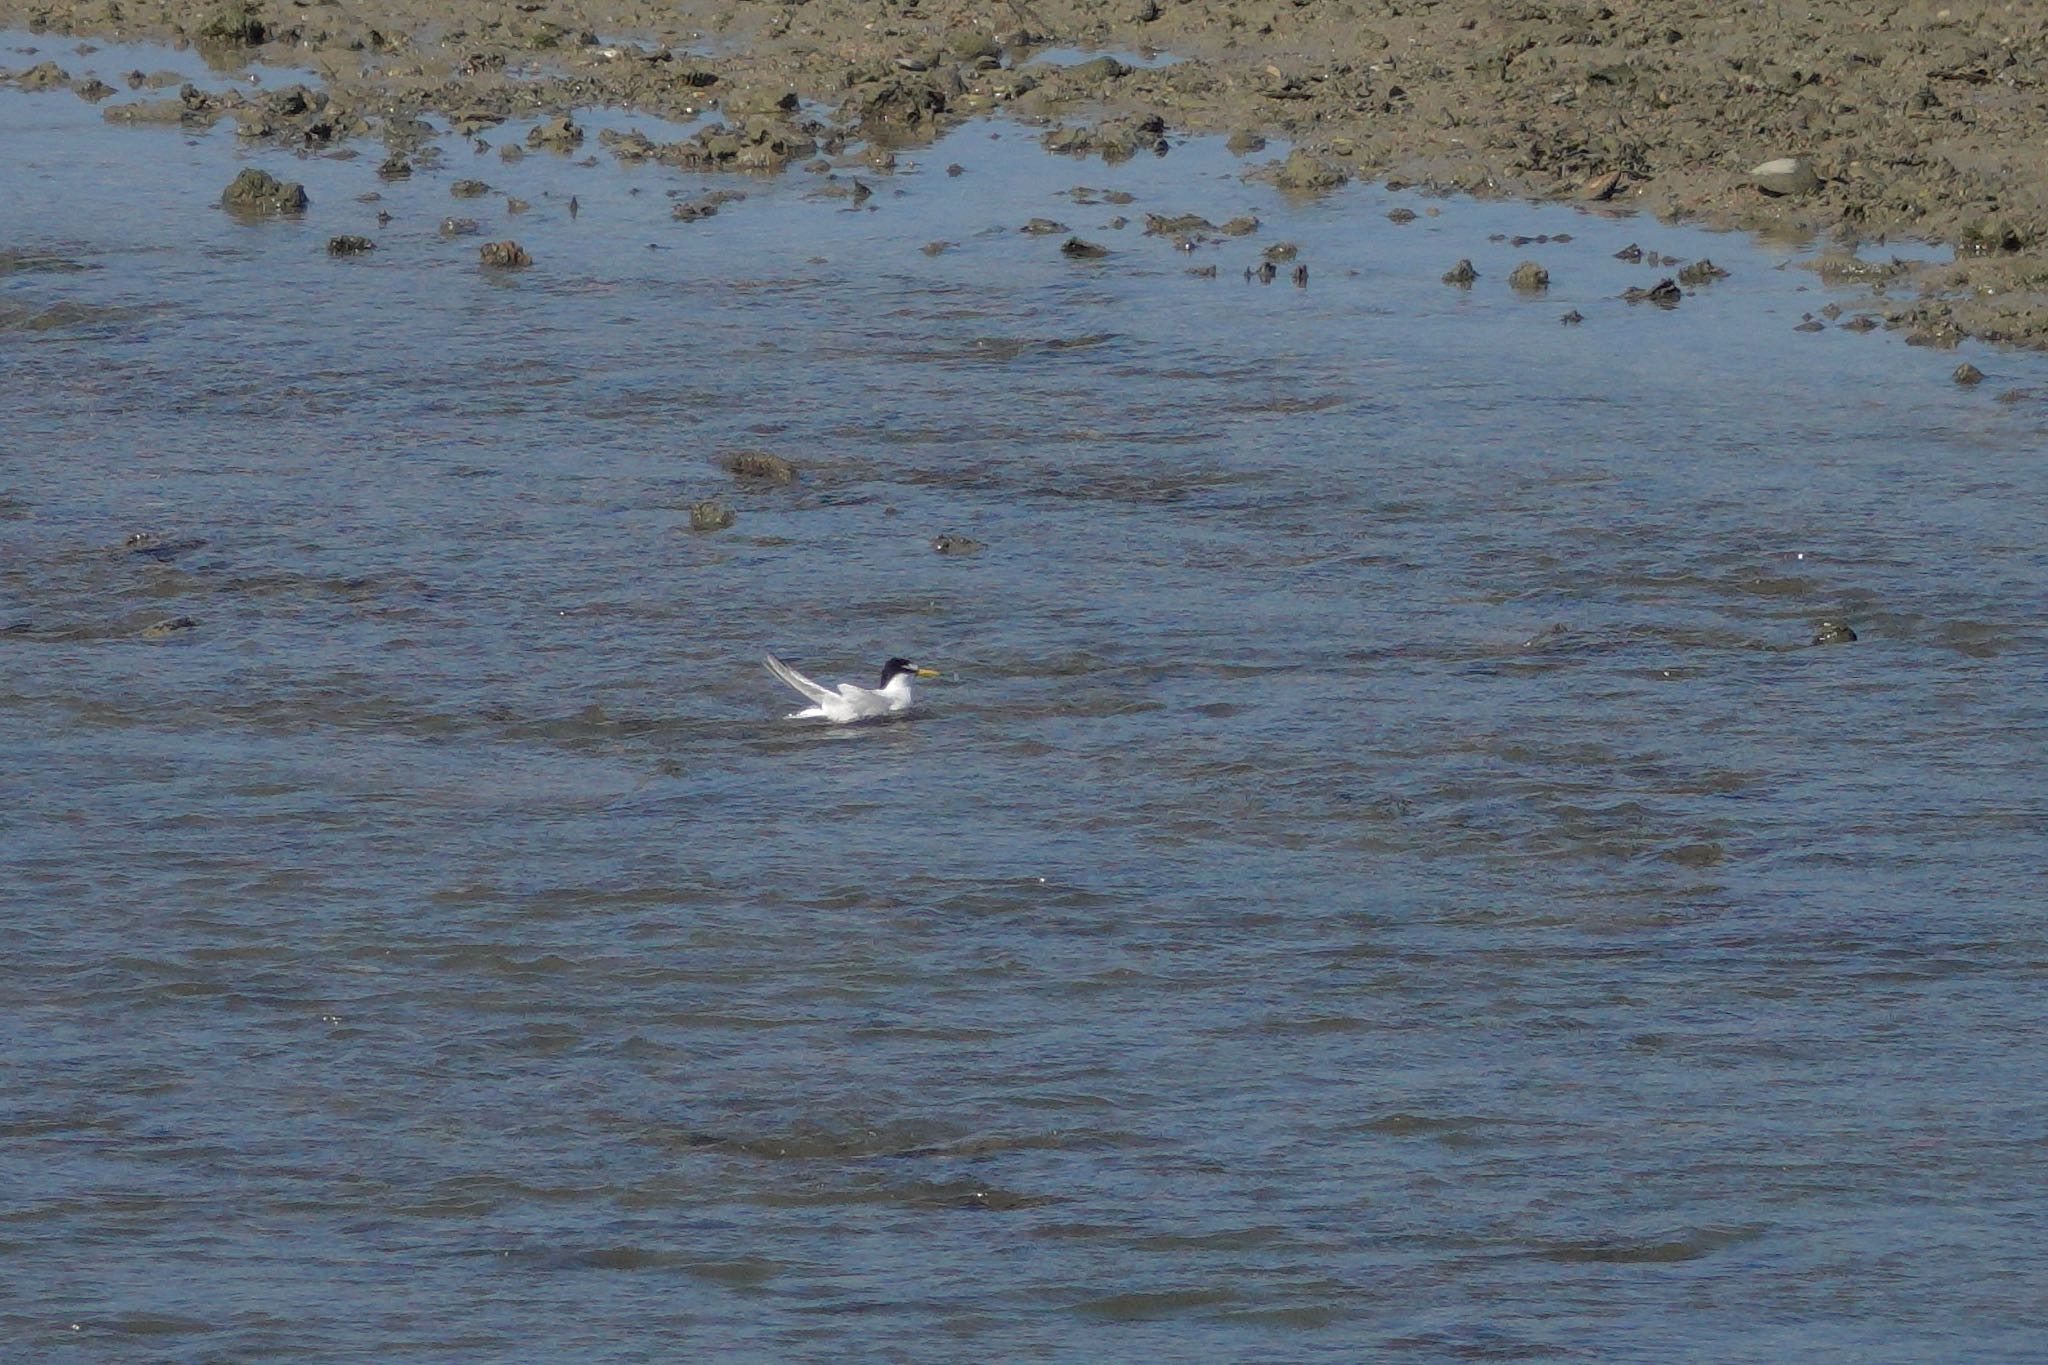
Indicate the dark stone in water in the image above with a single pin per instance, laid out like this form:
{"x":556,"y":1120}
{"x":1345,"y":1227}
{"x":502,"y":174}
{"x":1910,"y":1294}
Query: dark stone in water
{"x":1462,"y":274}
{"x":1076,"y":249}
{"x":1701,"y":272}
{"x":1573,"y":318}
{"x":1664,"y":293}
{"x":759,"y":464}
{"x":163,"y":629}
{"x":711,"y":516}
{"x":1967,"y":374}
{"x":349,"y":245}
{"x":1529,"y":278}
{"x":504,"y":255}
{"x":956,"y":545}
{"x":256,"y":193}
{"x":1834,"y":633}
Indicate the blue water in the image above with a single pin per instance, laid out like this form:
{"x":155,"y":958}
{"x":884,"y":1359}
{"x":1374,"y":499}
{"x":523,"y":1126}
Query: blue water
{"x":1385,"y":875}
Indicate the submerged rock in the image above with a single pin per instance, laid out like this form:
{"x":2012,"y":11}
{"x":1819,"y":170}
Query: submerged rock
{"x":1077,"y":250}
{"x":1701,"y":272}
{"x":469,"y":189}
{"x":460,"y":227}
{"x":1529,"y":278}
{"x":507,"y":255}
{"x":711,"y":516}
{"x":951,"y":544}
{"x":1462,"y":274}
{"x":162,"y":630}
{"x":1834,"y":633}
{"x":1967,"y":375}
{"x":1664,"y":293}
{"x":257,"y":192}
{"x":758,"y":464}
{"x":349,"y":245}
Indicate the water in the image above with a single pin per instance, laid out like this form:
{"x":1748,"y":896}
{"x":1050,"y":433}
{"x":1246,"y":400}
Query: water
{"x":1384,"y":876}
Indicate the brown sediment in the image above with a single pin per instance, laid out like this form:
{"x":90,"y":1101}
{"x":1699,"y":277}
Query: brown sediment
{"x":1915,"y":118}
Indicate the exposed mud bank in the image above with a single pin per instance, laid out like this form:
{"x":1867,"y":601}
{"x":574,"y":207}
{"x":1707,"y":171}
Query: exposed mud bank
{"x":1875,"y":118}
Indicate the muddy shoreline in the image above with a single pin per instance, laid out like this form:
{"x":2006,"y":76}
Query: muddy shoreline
{"x":1914,"y":119}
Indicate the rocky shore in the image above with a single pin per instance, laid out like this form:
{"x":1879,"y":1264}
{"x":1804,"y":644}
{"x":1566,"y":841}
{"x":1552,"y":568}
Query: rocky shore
{"x":1848,"y":121}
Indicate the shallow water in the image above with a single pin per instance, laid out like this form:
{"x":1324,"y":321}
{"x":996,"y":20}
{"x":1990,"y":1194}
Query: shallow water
{"x":1383,"y":876}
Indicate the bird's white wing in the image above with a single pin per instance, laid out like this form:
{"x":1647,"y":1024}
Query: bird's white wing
{"x":798,"y":683}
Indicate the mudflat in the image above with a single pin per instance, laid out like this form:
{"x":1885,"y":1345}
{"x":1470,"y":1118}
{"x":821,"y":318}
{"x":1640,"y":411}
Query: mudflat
{"x":1851,"y":120}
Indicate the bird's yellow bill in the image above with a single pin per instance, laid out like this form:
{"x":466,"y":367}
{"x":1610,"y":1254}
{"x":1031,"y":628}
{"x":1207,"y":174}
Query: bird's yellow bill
{"x":927,"y":672}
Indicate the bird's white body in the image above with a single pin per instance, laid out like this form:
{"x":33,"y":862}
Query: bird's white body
{"x":847,"y":702}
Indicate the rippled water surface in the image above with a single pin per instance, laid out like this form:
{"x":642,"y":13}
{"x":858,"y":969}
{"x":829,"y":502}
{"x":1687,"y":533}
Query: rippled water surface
{"x":1384,"y":875}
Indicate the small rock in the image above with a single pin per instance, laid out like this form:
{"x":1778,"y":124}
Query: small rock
{"x":1664,"y":293}
{"x":1834,"y":633}
{"x":1244,"y":143}
{"x":936,"y":248}
{"x":955,"y":171}
{"x":1076,"y":249}
{"x":395,"y":167}
{"x":92,"y":90}
{"x":43,"y":76}
{"x":1812,"y":324}
{"x":460,"y":227}
{"x":758,"y":464}
{"x":1967,"y":374}
{"x":165,"y":629}
{"x":257,"y":192}
{"x":1096,"y":70}
{"x":1399,"y":217}
{"x":1701,"y":272}
{"x":511,"y":152}
{"x":1282,"y":252}
{"x":1239,"y":227}
{"x":1601,"y":187}
{"x":469,"y":189}
{"x":349,"y":245}
{"x":1630,"y":253}
{"x":711,"y":516}
{"x":514,"y":204}
{"x":956,"y":545}
{"x":506,"y":255}
{"x":1573,"y":318}
{"x":558,"y":134}
{"x":1785,"y":175}
{"x":1305,"y":173}
{"x":236,"y":24}
{"x":1529,"y":278}
{"x":1042,"y":227}
{"x":1462,"y":274}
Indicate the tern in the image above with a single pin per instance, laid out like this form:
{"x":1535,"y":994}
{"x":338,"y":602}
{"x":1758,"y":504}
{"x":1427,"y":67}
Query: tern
{"x":851,"y":702}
